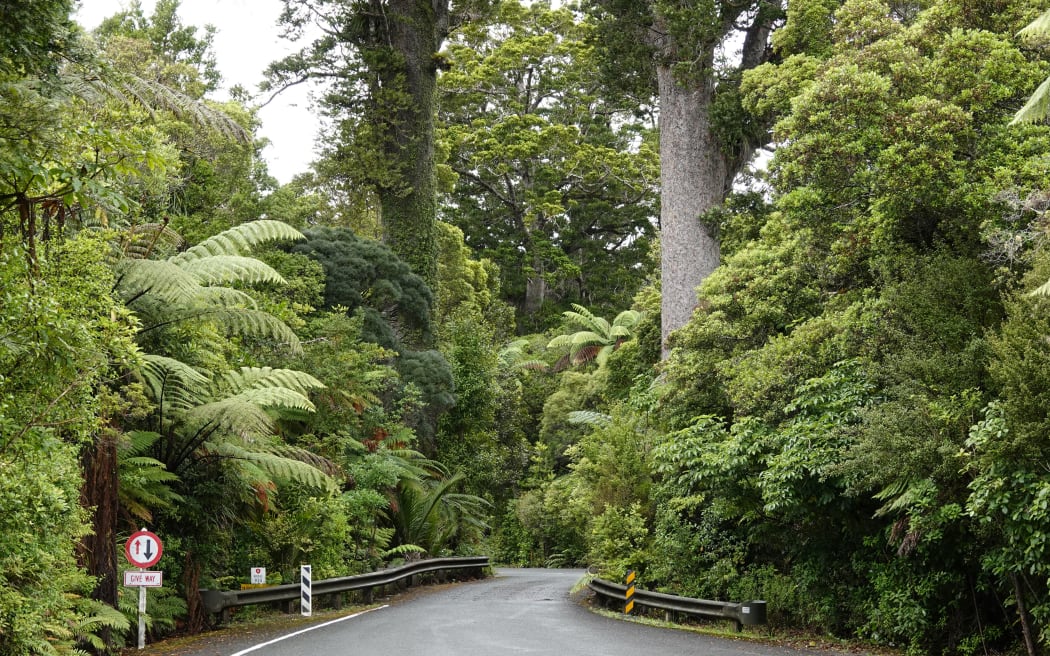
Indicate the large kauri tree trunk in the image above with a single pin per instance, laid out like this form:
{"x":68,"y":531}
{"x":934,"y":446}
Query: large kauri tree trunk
{"x":693,"y":175}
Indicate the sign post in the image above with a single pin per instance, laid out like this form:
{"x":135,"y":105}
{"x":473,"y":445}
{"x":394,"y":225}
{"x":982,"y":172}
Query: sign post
{"x":143,"y":549}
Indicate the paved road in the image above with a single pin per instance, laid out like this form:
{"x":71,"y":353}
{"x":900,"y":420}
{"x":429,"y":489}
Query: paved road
{"x":520,"y":611}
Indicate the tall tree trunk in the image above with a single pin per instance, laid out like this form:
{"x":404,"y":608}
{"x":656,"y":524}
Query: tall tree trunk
{"x":693,"y":175}
{"x":416,"y":29}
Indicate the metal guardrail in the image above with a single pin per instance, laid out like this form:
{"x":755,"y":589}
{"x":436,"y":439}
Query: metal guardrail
{"x":748,"y":613}
{"x":221,"y":601}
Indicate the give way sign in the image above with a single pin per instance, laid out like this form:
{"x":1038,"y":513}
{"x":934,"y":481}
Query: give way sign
{"x":143,"y":549}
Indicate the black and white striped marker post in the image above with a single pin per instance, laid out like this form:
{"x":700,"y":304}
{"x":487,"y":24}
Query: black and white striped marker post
{"x":306,"y":592}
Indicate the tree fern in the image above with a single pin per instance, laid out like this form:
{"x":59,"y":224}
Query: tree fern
{"x":275,"y":465}
{"x":144,"y":482}
{"x":598,"y":339}
{"x":239,"y":240}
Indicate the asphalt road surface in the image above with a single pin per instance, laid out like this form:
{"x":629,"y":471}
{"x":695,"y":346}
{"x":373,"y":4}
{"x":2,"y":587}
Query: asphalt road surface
{"x":519,"y":611}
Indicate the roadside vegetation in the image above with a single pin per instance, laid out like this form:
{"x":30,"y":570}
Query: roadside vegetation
{"x":453,"y":333}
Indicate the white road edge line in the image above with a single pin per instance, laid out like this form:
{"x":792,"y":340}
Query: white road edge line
{"x":319,"y":626}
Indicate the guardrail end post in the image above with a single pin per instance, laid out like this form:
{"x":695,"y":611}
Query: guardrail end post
{"x":752,"y":613}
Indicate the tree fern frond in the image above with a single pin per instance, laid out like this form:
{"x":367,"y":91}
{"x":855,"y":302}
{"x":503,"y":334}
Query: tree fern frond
{"x":172,"y":384}
{"x":235,"y":416}
{"x":276,"y":466}
{"x":309,"y":457}
{"x":149,"y":239}
{"x":512,"y":352}
{"x":1041,"y":290}
{"x":591,"y":352}
{"x":275,"y":397}
{"x":227,"y":297}
{"x":1037,"y":108}
{"x":587,"y":319}
{"x":590,"y":418}
{"x":247,"y":378}
{"x":239,"y":240}
{"x":1037,"y":28}
{"x":224,"y":269}
{"x":257,"y":324}
{"x":136,"y":443}
{"x":628,"y":319}
{"x":560,"y":342}
{"x":155,"y":96}
{"x":160,"y":278}
{"x":403,"y":550}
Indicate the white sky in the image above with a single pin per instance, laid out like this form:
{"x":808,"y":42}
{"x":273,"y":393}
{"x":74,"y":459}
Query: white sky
{"x":246,"y":41}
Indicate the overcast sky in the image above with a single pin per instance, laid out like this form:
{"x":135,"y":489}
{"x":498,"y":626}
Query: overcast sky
{"x":246,"y":41}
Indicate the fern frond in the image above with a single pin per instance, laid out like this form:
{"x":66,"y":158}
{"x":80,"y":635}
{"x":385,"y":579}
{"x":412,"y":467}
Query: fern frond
{"x":628,"y":319}
{"x":276,"y":466}
{"x":149,"y":239}
{"x":153,"y":96}
{"x":172,"y":384}
{"x":247,"y":378}
{"x":235,"y":416}
{"x":159,"y":278}
{"x":96,"y":615}
{"x":560,"y":342}
{"x":227,"y":297}
{"x":588,"y":319}
{"x":590,"y":418}
{"x":1041,"y":290}
{"x":1037,"y":108}
{"x":257,"y":324}
{"x":1037,"y":28}
{"x":239,"y":240}
{"x":402,"y":550}
{"x":275,"y":397}
{"x":309,"y":457}
{"x":224,"y":269}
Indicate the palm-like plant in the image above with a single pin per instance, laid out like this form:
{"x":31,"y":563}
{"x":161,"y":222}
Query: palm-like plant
{"x":598,"y":339}
{"x":426,"y":512}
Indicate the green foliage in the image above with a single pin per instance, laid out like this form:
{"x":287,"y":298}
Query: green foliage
{"x":63,"y":336}
{"x":364,"y":274}
{"x":548,"y":174}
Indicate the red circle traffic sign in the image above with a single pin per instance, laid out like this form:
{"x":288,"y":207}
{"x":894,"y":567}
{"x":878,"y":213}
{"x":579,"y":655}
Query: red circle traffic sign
{"x":143,"y":549}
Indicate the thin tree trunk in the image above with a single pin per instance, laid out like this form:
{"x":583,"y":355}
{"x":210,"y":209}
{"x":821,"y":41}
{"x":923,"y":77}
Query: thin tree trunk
{"x":97,"y":552}
{"x":1022,"y":612}
{"x":693,"y":179}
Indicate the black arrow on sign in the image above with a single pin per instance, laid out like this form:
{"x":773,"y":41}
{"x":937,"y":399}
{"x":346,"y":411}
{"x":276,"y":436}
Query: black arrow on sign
{"x":149,"y":553}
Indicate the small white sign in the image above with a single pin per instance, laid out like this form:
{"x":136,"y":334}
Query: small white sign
{"x":136,"y":579}
{"x":258,"y":575}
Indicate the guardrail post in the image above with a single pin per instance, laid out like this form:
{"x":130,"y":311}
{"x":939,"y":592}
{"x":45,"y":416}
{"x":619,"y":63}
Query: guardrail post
{"x":306,"y":590}
{"x":628,"y":597}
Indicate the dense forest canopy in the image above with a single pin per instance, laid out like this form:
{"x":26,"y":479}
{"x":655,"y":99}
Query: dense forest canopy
{"x":524,"y":303}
